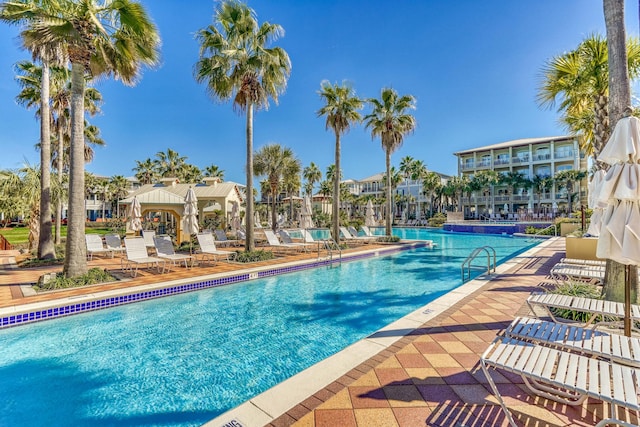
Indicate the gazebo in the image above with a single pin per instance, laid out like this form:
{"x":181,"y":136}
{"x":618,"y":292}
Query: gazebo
{"x":169,"y":194}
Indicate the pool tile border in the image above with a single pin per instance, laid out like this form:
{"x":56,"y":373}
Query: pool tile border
{"x":57,"y":308}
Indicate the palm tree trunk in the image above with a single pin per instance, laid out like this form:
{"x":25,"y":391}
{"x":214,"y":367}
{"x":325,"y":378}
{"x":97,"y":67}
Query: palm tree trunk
{"x":389,"y":202}
{"x":60,"y":168}
{"x":335,"y":209}
{"x":46,"y":249}
{"x":75,"y":262}
{"x":249,"y":245}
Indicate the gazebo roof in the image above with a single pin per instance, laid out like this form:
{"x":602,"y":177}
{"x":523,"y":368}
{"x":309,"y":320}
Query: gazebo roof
{"x":175,"y":194}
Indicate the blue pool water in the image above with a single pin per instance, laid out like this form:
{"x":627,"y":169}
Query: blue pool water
{"x":183,"y":360}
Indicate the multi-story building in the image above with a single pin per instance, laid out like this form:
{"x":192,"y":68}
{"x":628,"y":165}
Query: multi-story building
{"x":531,"y":157}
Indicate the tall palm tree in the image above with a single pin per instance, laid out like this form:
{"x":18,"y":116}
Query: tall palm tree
{"x":418,"y":171}
{"x":311,"y":174}
{"x":430,"y":184}
{"x":214,"y":171}
{"x":486,"y":180}
{"x":567,"y":179}
{"x":49,"y":52}
{"x":169,"y":164}
{"x":236,"y":61}
{"x":390,"y":122}
{"x":539,"y":184}
{"x":579,"y":81}
{"x":392,"y":179}
{"x":119,"y":190}
{"x":406,"y":169}
{"x":341,"y":107}
{"x":113,"y":39}
{"x":275,"y":162}
{"x":291,"y":183}
{"x":145,"y":171}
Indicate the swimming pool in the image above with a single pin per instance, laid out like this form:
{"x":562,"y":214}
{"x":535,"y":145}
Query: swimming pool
{"x":186,"y":359}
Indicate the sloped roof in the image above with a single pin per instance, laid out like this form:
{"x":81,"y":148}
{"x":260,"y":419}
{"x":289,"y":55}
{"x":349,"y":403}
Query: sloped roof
{"x":169,"y":194}
{"x":517,"y":142}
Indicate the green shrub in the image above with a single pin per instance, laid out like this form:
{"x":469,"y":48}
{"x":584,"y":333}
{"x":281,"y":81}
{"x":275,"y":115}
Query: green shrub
{"x":93,"y":276}
{"x":253,"y":256}
{"x":576,"y":289}
{"x":437,"y":220}
{"x":388,"y":239}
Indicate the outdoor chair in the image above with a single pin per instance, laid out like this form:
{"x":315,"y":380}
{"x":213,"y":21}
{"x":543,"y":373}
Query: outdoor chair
{"x":355,"y":234}
{"x":580,"y":272}
{"x":582,"y":261}
{"x":275,"y":243}
{"x":608,"y":312}
{"x":164,"y":249}
{"x":136,"y":250}
{"x":148,"y":235}
{"x":612,"y":346}
{"x":114,"y":243}
{"x":221,"y":238}
{"x":286,"y":239}
{"x":208,"y":248}
{"x":351,"y":238}
{"x":94,"y":246}
{"x":563,"y":376}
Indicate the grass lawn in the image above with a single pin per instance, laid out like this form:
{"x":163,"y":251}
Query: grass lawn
{"x":20,"y":235}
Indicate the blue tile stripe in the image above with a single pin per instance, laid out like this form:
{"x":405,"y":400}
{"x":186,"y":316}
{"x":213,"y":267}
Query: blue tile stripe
{"x":82,"y":307}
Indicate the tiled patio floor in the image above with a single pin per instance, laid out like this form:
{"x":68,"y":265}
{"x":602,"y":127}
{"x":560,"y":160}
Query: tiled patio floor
{"x":433,"y":377}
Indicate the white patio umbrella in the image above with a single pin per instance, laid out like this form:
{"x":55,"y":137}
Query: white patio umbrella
{"x":306,"y":220}
{"x":369,"y":219}
{"x":235,"y":216}
{"x":190,"y":215}
{"x":620,"y":230}
{"x":135,"y":215}
{"x":592,"y":201}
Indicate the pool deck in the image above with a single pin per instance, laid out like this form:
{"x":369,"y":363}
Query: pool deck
{"x":421,"y":370}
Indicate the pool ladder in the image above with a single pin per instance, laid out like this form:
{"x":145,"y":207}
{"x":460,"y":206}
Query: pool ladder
{"x":331,"y":246}
{"x":476,"y":252}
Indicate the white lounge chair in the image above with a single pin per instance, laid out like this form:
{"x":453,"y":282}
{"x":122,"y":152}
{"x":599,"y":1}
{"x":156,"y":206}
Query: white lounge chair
{"x":615,"y":347}
{"x":148,"y":236}
{"x":208,"y":248}
{"x":350,"y":237}
{"x":582,"y":261}
{"x":563,"y":376}
{"x":137,"y":255}
{"x":114,"y":243}
{"x":164,"y":249}
{"x":221,"y":238}
{"x":581,"y":272}
{"x":610,"y":311}
{"x":275,"y":243}
{"x":94,"y":246}
{"x":286,"y":239}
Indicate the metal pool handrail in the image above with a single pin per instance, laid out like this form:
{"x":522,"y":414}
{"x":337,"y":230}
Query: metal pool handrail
{"x":474,"y":254}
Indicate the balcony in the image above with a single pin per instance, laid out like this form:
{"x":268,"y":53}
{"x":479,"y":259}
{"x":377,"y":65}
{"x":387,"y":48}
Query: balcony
{"x":467,"y":166}
{"x":564,"y":155}
{"x":520,"y":159}
{"x":484,"y":164}
{"x":540,"y":157}
{"x":497,"y":162}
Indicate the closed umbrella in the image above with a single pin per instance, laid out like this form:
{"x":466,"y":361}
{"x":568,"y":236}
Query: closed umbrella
{"x":235,"y":216}
{"x":306,"y":220}
{"x":369,"y":219}
{"x":135,"y":215}
{"x":597,"y":208}
{"x":190,"y":215}
{"x":620,"y":228}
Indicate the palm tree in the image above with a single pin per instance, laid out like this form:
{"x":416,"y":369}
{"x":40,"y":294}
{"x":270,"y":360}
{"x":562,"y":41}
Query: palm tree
{"x":291,"y":183}
{"x":430,"y":184}
{"x":169,"y":164}
{"x":406,"y":168}
{"x":392,"y":180}
{"x":341,"y":107}
{"x":145,"y":171}
{"x":214,"y":171}
{"x":113,"y":39}
{"x":119,"y":190}
{"x":390,"y":121}
{"x":567,"y":179}
{"x":311,"y":174}
{"x":513,"y":180}
{"x":486,"y":180}
{"x":276,"y":163}
{"x":579,"y":80}
{"x":539,"y":184}
{"x":236,"y":61}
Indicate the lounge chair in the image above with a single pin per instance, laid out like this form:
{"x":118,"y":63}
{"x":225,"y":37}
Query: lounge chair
{"x":137,"y":255}
{"x":275,"y":243}
{"x":148,"y":238}
{"x":563,"y":376}
{"x":114,"y":243}
{"x":609,"y":311}
{"x":94,"y":246}
{"x":581,"y":272}
{"x":350,"y":237}
{"x":164,"y":249}
{"x":208,"y":248}
{"x":286,"y":239}
{"x":221,"y":238}
{"x":582,"y":261}
{"x":616,"y":347}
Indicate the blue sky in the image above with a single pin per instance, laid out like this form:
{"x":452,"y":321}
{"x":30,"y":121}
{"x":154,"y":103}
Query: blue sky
{"x":474,"y":67}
